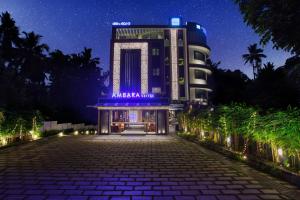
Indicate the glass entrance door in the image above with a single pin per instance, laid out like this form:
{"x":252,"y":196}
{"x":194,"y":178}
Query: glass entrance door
{"x":127,"y":121}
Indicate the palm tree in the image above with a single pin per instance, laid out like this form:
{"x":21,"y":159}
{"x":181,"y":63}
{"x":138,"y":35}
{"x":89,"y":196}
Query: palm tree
{"x":33,"y":53}
{"x":86,"y":56}
{"x":254,"y":57}
{"x":9,"y":32}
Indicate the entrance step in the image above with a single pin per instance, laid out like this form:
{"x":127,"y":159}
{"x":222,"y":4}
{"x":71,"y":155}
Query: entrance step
{"x":133,"y":134}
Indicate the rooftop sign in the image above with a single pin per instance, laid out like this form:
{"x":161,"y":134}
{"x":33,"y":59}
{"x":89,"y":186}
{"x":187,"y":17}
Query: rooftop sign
{"x":175,"y":21}
{"x":129,"y":95}
{"x":121,"y":23}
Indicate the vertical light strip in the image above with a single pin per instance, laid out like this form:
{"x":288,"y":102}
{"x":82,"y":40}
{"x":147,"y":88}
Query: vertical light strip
{"x":186,"y":67}
{"x":174,"y":65}
{"x":144,"y":68}
{"x":143,"y":46}
{"x":116,"y":65}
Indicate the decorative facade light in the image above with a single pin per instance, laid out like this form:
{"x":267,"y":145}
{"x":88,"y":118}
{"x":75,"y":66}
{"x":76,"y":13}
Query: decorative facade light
{"x":174,"y":65}
{"x":143,"y":46}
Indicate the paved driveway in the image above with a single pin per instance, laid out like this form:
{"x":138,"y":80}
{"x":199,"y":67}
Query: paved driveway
{"x":130,"y":167}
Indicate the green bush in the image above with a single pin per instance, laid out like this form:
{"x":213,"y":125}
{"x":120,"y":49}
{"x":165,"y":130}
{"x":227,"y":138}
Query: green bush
{"x":272,"y":134}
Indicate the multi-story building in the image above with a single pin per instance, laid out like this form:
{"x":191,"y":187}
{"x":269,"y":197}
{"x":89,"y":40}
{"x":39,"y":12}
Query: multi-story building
{"x":155,"y":69}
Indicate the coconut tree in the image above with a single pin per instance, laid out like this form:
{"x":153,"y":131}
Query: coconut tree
{"x":33,"y":66}
{"x":254,"y":57}
{"x":9,"y":33}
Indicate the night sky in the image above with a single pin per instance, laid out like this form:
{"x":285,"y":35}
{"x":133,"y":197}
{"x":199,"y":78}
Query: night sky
{"x":70,"y":25}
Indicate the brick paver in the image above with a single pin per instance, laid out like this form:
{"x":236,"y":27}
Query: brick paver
{"x":130,"y":167}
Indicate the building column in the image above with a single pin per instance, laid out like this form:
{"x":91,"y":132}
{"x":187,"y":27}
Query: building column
{"x":109,"y":121}
{"x":167,"y":121}
{"x":156,"y":121}
{"x":99,"y":122}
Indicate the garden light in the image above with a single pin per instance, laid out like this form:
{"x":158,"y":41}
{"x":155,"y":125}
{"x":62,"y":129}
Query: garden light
{"x":228,"y":140}
{"x":87,"y":132}
{"x":3,"y":141}
{"x":76,"y":133}
{"x":61,"y":134}
{"x":280,"y":152}
{"x":34,"y":137}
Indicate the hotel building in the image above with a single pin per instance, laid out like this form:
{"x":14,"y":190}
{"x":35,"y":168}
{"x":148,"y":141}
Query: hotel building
{"x":155,"y":70}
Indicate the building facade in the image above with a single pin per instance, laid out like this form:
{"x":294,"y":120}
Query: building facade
{"x":154,"y":71}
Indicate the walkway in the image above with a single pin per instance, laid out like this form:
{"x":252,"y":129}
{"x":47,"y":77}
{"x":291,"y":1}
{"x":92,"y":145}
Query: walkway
{"x":130,"y":167}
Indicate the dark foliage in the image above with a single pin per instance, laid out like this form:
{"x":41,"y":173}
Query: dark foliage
{"x":276,"y":21}
{"x":33,"y":78}
{"x":273,"y":88}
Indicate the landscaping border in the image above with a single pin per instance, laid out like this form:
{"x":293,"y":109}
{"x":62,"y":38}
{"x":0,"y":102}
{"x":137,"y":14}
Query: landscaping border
{"x":253,"y":162}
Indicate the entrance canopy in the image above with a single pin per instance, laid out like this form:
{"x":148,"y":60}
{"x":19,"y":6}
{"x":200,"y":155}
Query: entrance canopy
{"x":117,"y":115}
{"x":133,"y":102}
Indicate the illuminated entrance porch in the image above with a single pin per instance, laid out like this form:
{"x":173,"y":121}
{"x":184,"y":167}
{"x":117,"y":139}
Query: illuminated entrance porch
{"x":137,"y":119}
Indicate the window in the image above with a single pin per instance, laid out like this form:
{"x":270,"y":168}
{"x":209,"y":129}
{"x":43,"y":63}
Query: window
{"x":199,"y":74}
{"x":200,"y":94}
{"x":199,"y":56}
{"x":181,"y":72}
{"x":155,"y":71}
{"x":182,"y":90}
{"x":155,"y":52}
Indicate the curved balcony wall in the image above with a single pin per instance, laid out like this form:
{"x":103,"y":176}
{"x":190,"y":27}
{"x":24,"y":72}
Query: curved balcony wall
{"x":198,"y":54}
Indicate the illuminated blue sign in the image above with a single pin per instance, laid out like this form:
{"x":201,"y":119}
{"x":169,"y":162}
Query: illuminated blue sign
{"x":176,"y":21}
{"x":129,"y":95}
{"x":121,"y":23}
